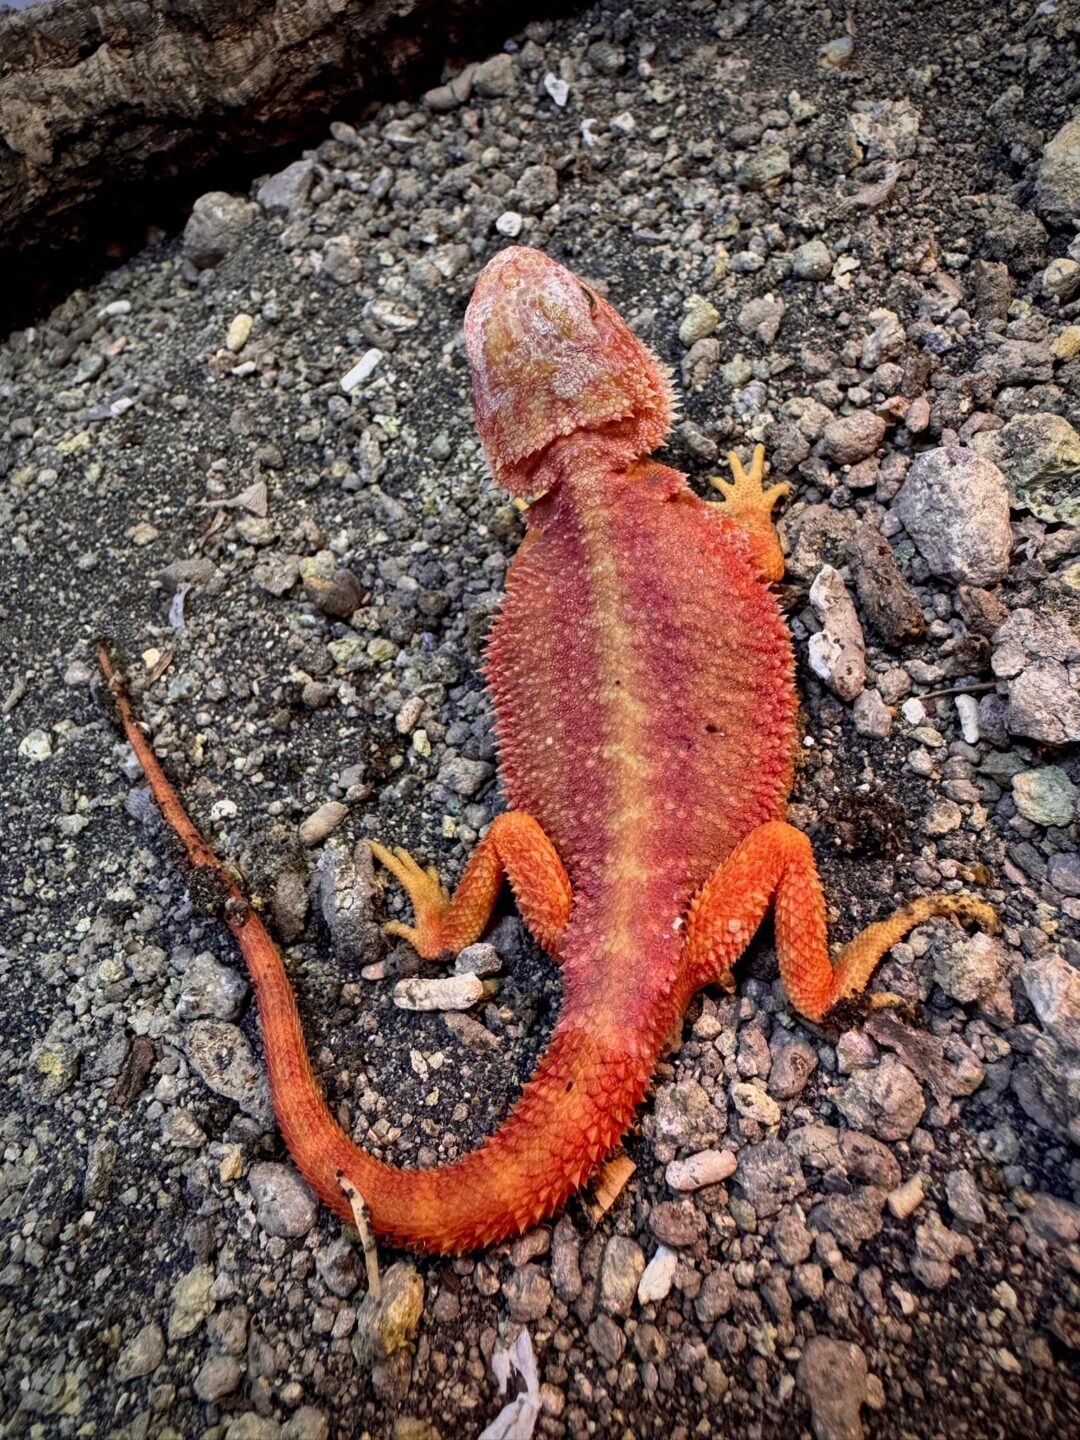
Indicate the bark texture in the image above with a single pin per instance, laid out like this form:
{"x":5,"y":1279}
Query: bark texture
{"x":108,"y":110}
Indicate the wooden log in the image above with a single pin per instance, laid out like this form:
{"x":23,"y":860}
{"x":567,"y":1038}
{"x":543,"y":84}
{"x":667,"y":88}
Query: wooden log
{"x":115,"y":113}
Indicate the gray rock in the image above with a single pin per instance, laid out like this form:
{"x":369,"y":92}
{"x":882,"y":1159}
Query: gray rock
{"x":607,"y":1339}
{"x":937,"y":1248}
{"x":496,"y":77}
{"x":214,"y":227}
{"x":888,"y":1101}
{"x":347,"y":889}
{"x":832,"y":1374}
{"x":1038,"y":657}
{"x":963,"y":1196}
{"x":1057,"y":185}
{"x":761,"y":318}
{"x":765,"y":168}
{"x":1053,"y":1219}
{"x":309,"y":1423}
{"x":222,"y":1057}
{"x":219,"y":1375}
{"x":51,"y":1069}
{"x":1039,"y":454}
{"x":1053,"y":987}
{"x":1045,"y":796}
{"x":285,"y":1205}
{"x":142,"y":1354}
{"x":1061,"y":280}
{"x":872,"y":716}
{"x":621,"y":1269}
{"x":707,"y":1167}
{"x":955,"y":506}
{"x":818,"y":536}
{"x":286,"y":192}
{"x":793,"y":1062}
{"x":528,"y":1293}
{"x":838,"y":651}
{"x":812,"y":260}
{"x":449,"y":992}
{"x":322,"y":822}
{"x":887,"y":600}
{"x":885,"y":129}
{"x":338,"y":1264}
{"x":970,"y":968}
{"x":479,"y":959}
{"x":852,"y":438}
{"x":885,"y":342}
{"x":389,"y":1325}
{"x":210,"y":988}
{"x":250,"y":1426}
{"x":769,"y":1176}
{"x":538,"y":189}
{"x":700,"y":320}
{"x":851,"y":1218}
{"x":1063,"y":872}
{"x":191,"y":1302}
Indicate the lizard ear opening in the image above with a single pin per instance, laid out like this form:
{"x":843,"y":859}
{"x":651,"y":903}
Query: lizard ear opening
{"x":551,"y":358}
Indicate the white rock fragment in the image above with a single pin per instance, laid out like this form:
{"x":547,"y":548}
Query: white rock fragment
{"x":361,"y":371}
{"x":509,"y":224}
{"x":452,"y":992}
{"x":913,"y":711}
{"x":955,"y":506}
{"x":707,"y":1167}
{"x":967,"y":708}
{"x":657,"y":1277}
{"x":237,"y":335}
{"x":558,"y":89}
{"x":35,"y":746}
{"x":838,"y":650}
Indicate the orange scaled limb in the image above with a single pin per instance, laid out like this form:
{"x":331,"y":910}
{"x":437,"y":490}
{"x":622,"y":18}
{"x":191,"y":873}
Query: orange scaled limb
{"x":775,"y":866}
{"x":515,"y":848}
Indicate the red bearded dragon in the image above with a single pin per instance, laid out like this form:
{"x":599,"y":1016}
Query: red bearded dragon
{"x":644,"y":689}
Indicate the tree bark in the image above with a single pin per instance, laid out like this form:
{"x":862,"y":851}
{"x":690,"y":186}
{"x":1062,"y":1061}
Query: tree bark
{"x":113,"y":111}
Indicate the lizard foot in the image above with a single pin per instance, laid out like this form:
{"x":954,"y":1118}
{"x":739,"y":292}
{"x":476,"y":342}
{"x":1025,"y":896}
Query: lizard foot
{"x":429,"y":897}
{"x":745,"y":492}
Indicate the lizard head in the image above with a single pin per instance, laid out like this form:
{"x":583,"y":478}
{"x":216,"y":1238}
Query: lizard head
{"x":550,"y":357}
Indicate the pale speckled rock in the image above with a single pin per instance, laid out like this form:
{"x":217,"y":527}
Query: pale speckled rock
{"x":838,"y":650}
{"x":142,"y":1354}
{"x":210,"y":989}
{"x":707,"y":1167}
{"x":284,"y":1203}
{"x":888,"y":1100}
{"x":1057,"y":185}
{"x":322,"y":822}
{"x":621,"y":1268}
{"x":222,"y":1055}
{"x":1053,"y":987}
{"x":832,"y":1374}
{"x":191,"y":1302}
{"x":450,"y":992}
{"x":970,"y":968}
{"x":753,"y":1102}
{"x":937,"y":1248}
{"x":1038,"y":452}
{"x":954,"y":504}
{"x":852,"y":438}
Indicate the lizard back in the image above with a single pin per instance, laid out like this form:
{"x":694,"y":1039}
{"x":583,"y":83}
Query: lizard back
{"x":643,"y":682}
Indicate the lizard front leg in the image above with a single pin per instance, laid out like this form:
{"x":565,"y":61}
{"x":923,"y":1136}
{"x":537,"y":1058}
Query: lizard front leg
{"x":749,"y":506}
{"x":516,"y":848}
{"x":775,"y":865}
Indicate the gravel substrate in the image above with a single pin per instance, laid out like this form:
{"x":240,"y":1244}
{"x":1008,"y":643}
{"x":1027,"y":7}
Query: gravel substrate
{"x":248,"y":459}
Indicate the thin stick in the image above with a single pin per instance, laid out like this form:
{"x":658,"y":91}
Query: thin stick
{"x":367,"y":1239}
{"x":982,"y":689}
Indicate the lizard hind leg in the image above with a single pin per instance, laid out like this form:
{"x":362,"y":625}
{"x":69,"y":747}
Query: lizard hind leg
{"x":514,"y":848}
{"x":775,"y":865}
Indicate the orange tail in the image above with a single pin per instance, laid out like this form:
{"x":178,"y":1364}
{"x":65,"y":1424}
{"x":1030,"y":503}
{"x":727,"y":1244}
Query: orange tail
{"x":580,"y":1101}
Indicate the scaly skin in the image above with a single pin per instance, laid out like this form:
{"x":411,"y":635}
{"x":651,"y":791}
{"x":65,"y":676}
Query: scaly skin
{"x":644,"y":687}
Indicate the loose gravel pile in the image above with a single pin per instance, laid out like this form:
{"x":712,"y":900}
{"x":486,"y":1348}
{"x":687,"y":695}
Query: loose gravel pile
{"x":248,"y":459}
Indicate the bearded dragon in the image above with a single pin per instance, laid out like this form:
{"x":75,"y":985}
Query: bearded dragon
{"x":644,"y":690}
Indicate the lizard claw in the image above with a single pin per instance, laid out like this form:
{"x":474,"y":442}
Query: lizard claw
{"x":745,"y":490}
{"x":428,"y":895}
